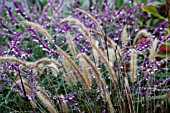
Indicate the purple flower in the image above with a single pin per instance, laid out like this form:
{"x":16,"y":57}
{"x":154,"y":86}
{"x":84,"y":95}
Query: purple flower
{"x":1,"y":88}
{"x":31,"y":96}
{"x":104,"y":111}
{"x":89,"y":99}
{"x":18,"y":10}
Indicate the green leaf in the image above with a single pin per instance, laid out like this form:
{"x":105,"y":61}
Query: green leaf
{"x":7,"y":96}
{"x":100,"y":5}
{"x":118,"y":3}
{"x":163,"y":55}
{"x":156,"y":3}
{"x":152,"y":10}
{"x":167,"y":43}
{"x":143,"y":1}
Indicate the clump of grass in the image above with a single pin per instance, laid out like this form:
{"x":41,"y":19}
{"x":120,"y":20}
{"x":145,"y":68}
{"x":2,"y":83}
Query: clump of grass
{"x":85,"y":84}
{"x":46,"y":101}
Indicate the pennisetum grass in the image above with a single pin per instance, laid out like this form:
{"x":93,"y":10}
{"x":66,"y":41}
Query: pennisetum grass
{"x":48,"y":60}
{"x":46,"y":101}
{"x":133,"y":65}
{"x":76,"y":22}
{"x":85,"y":84}
{"x":85,"y":71}
{"x":12,"y":59}
{"x":95,"y":54}
{"x":112,"y":75}
{"x":153,"y":50}
{"x":51,"y":66}
{"x":28,"y":64}
{"x":68,"y":70}
{"x":94,"y":20}
{"x":99,"y":26}
{"x":39,"y":28}
{"x":54,"y":68}
{"x":71,"y":44}
{"x":102,"y":83}
{"x":141,"y":34}
{"x":97,"y":73}
{"x":124,"y":38}
{"x":66,"y":78}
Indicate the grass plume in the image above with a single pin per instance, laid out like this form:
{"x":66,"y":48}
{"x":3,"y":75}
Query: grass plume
{"x":85,"y":84}
{"x":112,"y":75}
{"x":39,"y":28}
{"x":141,"y":34}
{"x":133,"y":65}
{"x":124,"y":36}
{"x":76,"y":22}
{"x":153,"y":50}
{"x":71,"y":44}
{"x":68,"y":69}
{"x":46,"y":102}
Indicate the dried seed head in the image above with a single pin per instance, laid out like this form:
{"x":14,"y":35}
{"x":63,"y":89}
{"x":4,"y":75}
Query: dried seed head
{"x":141,"y":34}
{"x":12,"y":59}
{"x":85,"y":71}
{"x":50,"y":106}
{"x":124,"y":36}
{"x":133,"y":65}
{"x":98,"y":75}
{"x":80,"y":26}
{"x":95,"y":54}
{"x":39,"y":28}
{"x":111,"y":72}
{"x":153,"y":50}
{"x":94,"y":20}
{"x":70,"y":73}
{"x":75,"y":67}
{"x":28,"y":88}
{"x":71,"y":44}
{"x":66,"y":78}
{"x":49,"y":60}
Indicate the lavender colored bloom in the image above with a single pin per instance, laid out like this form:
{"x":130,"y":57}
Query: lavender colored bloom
{"x":31,"y":96}
{"x":10,"y":15}
{"x":117,"y":35}
{"x":28,"y":51}
{"x":44,"y":15}
{"x":1,"y":88}
{"x":156,"y":83}
{"x":104,"y":111}
{"x":12,"y":46}
{"x":158,"y":28}
{"x":20,"y":11}
{"x":137,"y":16}
{"x":166,"y":80}
{"x":89,"y":99}
{"x":5,"y":27}
{"x":141,"y":93}
{"x":146,"y":76}
{"x":123,"y":7}
{"x":164,"y":40}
